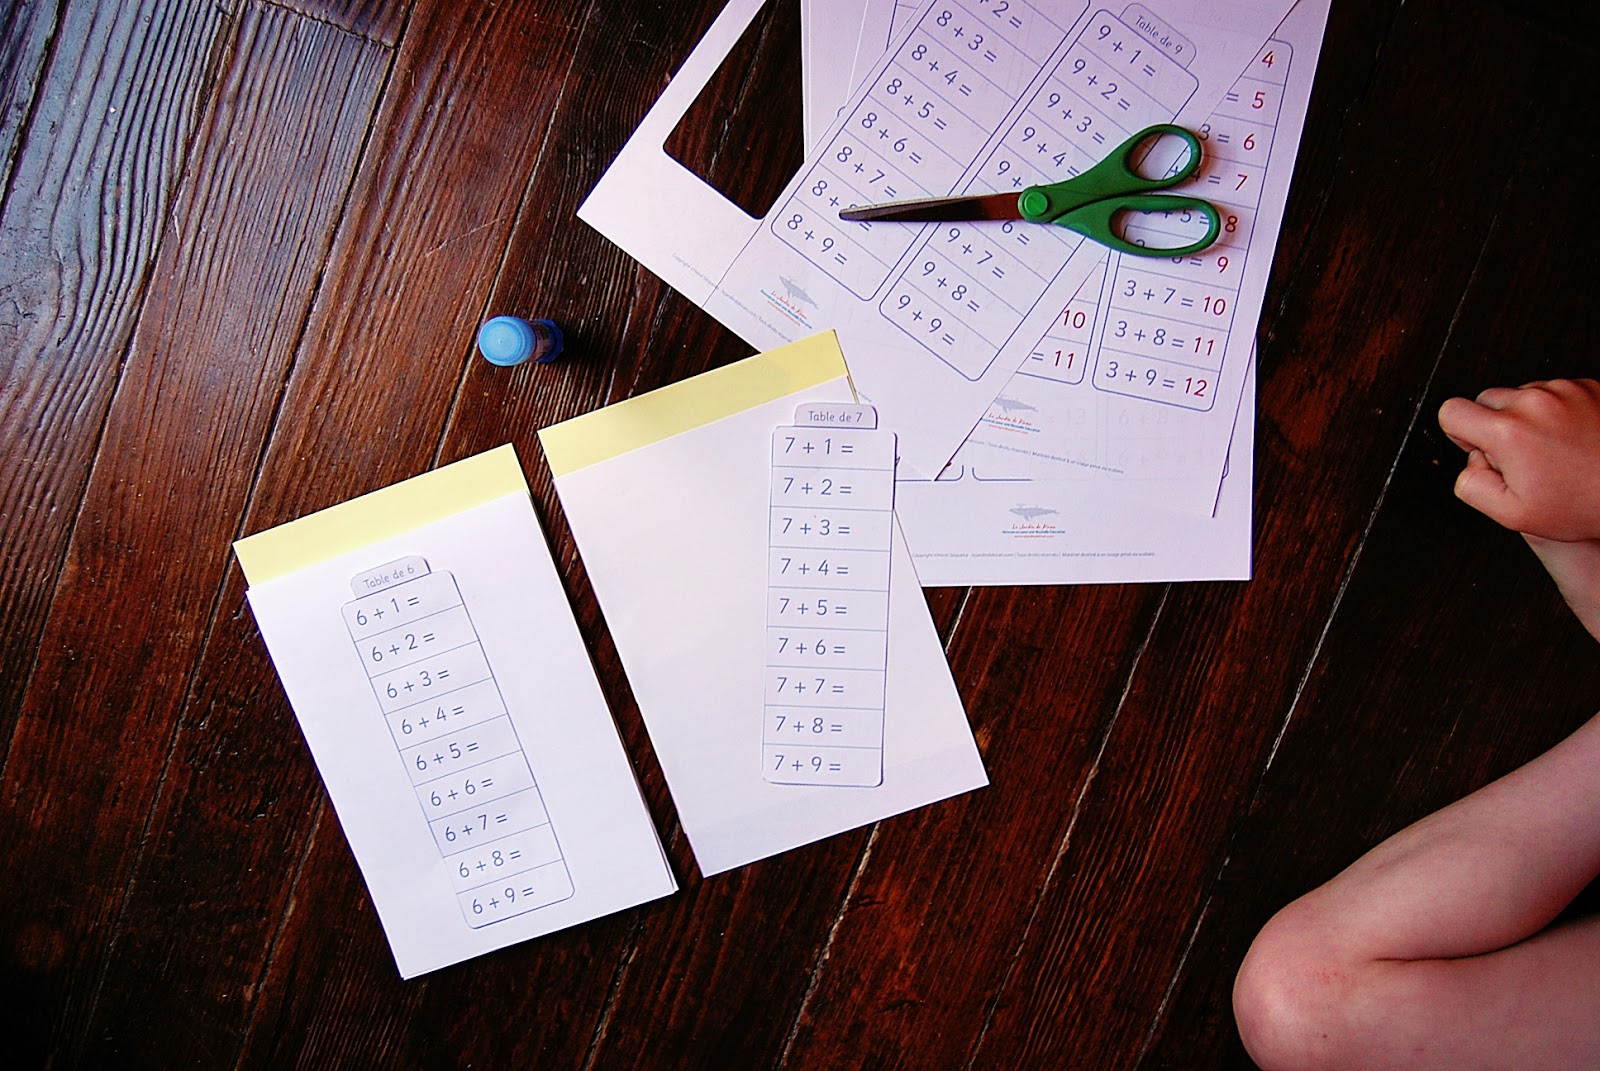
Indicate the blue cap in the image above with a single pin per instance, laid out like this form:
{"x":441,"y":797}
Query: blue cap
{"x":509,"y":340}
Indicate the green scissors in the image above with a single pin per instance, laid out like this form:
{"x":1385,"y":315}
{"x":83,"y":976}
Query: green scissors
{"x":1086,"y":204}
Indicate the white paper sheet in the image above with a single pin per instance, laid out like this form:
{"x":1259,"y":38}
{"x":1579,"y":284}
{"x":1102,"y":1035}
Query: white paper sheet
{"x":780,"y":278}
{"x":1005,"y":530}
{"x":468,"y":749}
{"x":667,"y":496}
{"x":1123,"y":378}
{"x":985,"y":523}
{"x":831,"y":34}
{"x":877,"y":30}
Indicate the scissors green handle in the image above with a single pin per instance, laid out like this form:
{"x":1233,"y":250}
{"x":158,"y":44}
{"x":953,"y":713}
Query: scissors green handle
{"x":1088,"y":203}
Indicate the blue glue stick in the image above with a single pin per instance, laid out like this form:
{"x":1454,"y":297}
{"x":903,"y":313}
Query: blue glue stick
{"x":509,"y":340}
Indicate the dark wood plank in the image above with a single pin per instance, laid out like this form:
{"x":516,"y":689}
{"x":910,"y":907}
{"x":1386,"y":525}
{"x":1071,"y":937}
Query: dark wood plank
{"x":1451,"y":659}
{"x":381,"y":20}
{"x":273,"y":167}
{"x":1336,"y":405}
{"x":87,"y":201}
{"x":906,"y":962}
{"x":24,"y":34}
{"x":86,"y":198}
{"x":770,"y":923}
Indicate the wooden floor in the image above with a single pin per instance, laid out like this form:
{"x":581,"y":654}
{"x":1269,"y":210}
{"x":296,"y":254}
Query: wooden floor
{"x":244,"y":248}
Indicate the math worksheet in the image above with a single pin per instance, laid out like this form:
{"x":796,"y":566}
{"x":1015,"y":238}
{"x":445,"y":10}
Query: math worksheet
{"x":430,"y":656}
{"x":970,"y":96}
{"x":830,"y":544}
{"x":1012,"y":508}
{"x":714,"y":516}
{"x":1124,"y":374}
{"x":1016,"y":507}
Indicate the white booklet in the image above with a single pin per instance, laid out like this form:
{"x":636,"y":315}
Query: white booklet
{"x":430,"y":655}
{"x":694,"y":520}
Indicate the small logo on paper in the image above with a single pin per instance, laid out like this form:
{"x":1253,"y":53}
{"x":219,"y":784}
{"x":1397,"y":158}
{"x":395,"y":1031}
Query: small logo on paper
{"x":792,"y":301}
{"x":1011,"y":405}
{"x":1033,"y":524}
{"x":795,"y":293}
{"x":1011,"y":414}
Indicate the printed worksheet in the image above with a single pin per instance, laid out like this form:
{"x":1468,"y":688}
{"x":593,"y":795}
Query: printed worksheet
{"x":983,"y":522}
{"x":971,"y":96}
{"x":975,"y":528}
{"x":683,"y":531}
{"x":426,"y":645}
{"x":1127,"y":372}
{"x":829,"y":548}
{"x":1014,"y":508}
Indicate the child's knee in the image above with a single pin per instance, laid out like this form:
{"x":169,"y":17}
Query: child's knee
{"x":1290,"y":997}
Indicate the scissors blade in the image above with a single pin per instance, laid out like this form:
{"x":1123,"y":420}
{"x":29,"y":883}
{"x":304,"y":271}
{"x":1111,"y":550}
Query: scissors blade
{"x":939,"y":209}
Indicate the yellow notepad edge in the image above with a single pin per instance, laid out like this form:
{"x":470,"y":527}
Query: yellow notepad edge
{"x":380,"y":514}
{"x":691,"y":403}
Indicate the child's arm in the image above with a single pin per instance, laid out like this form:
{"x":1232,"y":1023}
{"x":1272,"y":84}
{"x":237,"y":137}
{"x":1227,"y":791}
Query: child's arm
{"x":1533,"y":464}
{"x":1576,"y":569}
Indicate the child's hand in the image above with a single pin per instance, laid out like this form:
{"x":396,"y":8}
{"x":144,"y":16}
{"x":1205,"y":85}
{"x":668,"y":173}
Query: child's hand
{"x":1533,"y":464}
{"x":1533,"y":456}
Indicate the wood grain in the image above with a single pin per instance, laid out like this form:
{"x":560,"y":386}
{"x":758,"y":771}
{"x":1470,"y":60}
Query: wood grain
{"x":244,"y":248}
{"x":226,"y":302}
{"x":25,"y":30}
{"x":379,"y":20}
{"x":745,"y":113}
{"x":87,"y":200}
{"x":907,"y":958}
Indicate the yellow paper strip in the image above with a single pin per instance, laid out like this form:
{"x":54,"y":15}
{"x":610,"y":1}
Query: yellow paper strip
{"x":383,"y":513}
{"x":691,"y":403}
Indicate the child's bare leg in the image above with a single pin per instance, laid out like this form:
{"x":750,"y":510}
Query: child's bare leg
{"x":1427,"y":952}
